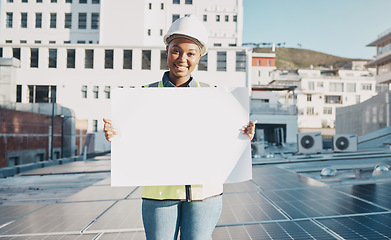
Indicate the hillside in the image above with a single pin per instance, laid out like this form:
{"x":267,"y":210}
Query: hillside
{"x":293,"y":58}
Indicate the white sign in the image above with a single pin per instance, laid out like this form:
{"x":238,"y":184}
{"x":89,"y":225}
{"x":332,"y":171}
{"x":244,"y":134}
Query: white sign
{"x":180,"y":136}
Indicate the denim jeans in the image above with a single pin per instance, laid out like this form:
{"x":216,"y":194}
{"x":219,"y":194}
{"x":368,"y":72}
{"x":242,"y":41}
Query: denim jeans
{"x":196,"y":220}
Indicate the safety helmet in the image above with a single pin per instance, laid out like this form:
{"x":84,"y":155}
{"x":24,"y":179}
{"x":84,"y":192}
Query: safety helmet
{"x":191,"y":28}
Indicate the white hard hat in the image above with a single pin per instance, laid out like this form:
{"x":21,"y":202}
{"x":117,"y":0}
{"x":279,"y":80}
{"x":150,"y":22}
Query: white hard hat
{"x":191,"y":28}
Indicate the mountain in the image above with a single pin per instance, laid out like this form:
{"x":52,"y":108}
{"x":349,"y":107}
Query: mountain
{"x":293,"y":58}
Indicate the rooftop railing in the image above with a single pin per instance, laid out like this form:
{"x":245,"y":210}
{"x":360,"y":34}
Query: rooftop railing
{"x":384,"y":33}
{"x":267,"y":108}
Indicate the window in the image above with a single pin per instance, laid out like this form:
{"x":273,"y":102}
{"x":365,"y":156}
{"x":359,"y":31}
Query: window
{"x":235,"y":18}
{"x":34,"y":52}
{"x":24,"y":1}
{"x":53,"y":1}
{"x":309,"y":97}
{"x":38,"y":20}
{"x":232,"y":44}
{"x":175,"y":1}
{"x":217,"y":18}
{"x":94,"y":20}
{"x":1,"y":52}
{"x":23,"y":41}
{"x":94,"y":125}
{"x":221,"y":61}
{"x":37,"y":41}
{"x":82,"y":20}
{"x":161,"y":32}
{"x":351,"y":87}
{"x":319,"y":84}
{"x":203,"y":64}
{"x":358,"y":99}
{"x":216,"y":44}
{"x":241,"y":61}
{"x":96,"y":92}
{"x":39,"y":1}
{"x":19,"y":93}
{"x":23,"y":20}
{"x":10,"y":1}
{"x":327,"y":110}
{"x":52,"y":58}
{"x":149,"y":32}
{"x":336,"y":87}
{"x":71,"y":56}
{"x":41,"y":94}
{"x":95,"y":1}
{"x":107,"y":92}
{"x":226,"y":18}
{"x":311,"y":85}
{"x":83,"y":1}
{"x":84,"y":91}
{"x":89,"y":59}
{"x":333,"y":99}
{"x":205,"y":18}
{"x":163,"y":60}
{"x":188,"y":1}
{"x":150,"y":5}
{"x":68,"y":20}
{"x":269,"y":62}
{"x":81,"y":42}
{"x":128,"y":54}
{"x":310,"y":111}
{"x":146,"y":59}
{"x":162,"y":6}
{"x":13,"y":161}
{"x":52,"y":42}
{"x":175,"y":17}
{"x":366,"y":86}
{"x":16,"y":53}
{"x":9,"y":20}
{"x":53,"y":20}
{"x":8,"y":41}
{"x":109,"y":59}
{"x":68,"y":1}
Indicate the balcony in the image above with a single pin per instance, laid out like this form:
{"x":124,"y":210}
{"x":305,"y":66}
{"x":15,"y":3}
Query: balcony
{"x":258,"y":106}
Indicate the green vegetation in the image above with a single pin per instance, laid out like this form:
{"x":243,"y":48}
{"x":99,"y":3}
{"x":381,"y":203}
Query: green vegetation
{"x":293,"y":58}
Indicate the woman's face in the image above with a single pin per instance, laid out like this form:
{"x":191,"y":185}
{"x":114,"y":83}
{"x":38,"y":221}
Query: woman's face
{"x":183,"y":55}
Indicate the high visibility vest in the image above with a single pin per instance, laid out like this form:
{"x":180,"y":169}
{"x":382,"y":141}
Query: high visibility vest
{"x":181,"y":192}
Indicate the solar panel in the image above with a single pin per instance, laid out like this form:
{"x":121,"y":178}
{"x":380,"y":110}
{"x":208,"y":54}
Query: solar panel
{"x":123,"y":235}
{"x":279,"y":231}
{"x":10,"y":213}
{"x":247,"y":207}
{"x":53,"y":237}
{"x":361,"y":227}
{"x":247,"y":186}
{"x":376,"y":193}
{"x":61,"y":217}
{"x":125,"y":214}
{"x":271,"y":178}
{"x":316,"y":202}
{"x":94,"y":193}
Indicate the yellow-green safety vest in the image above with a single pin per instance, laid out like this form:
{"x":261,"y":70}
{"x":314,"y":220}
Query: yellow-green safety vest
{"x":181,"y":192}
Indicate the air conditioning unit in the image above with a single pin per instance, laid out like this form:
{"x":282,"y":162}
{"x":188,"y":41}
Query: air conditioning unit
{"x":308,"y":143}
{"x":344,"y":143}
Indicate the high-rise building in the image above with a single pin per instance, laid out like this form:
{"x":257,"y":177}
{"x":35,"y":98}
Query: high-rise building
{"x":75,"y":52}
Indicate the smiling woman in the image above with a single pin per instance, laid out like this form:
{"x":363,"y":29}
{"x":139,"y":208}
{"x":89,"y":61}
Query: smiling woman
{"x":191,"y":209}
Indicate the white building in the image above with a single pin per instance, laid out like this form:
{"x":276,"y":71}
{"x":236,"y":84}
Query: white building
{"x":324,"y":90}
{"x":80,"y":50}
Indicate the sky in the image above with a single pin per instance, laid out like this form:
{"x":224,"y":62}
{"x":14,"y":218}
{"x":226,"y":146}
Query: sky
{"x":342,"y":28}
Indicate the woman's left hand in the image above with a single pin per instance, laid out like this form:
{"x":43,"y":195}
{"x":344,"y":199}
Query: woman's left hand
{"x":249,"y":130}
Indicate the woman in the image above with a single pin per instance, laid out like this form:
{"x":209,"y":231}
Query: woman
{"x":192,"y":209}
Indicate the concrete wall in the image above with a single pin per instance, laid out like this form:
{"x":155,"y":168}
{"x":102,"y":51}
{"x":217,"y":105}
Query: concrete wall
{"x":366,"y":117}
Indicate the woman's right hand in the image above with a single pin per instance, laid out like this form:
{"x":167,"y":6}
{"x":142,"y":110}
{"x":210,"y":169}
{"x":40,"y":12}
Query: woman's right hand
{"x":109,"y":130}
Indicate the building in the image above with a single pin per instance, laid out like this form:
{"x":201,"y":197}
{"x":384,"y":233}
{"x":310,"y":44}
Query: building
{"x":383,"y":57}
{"x":263,"y":64}
{"x":74,"y":53}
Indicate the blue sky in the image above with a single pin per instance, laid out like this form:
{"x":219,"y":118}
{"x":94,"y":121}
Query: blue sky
{"x":338,"y":27}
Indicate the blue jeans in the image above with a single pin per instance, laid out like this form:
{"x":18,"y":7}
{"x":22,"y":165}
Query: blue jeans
{"x":196,"y":220}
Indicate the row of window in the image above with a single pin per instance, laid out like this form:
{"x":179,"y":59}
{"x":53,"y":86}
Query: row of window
{"x":326,"y":111}
{"x":127,"y":56}
{"x":95,"y":92}
{"x":339,"y":87}
{"x":219,"y":18}
{"x":54,"y":42}
{"x":82,"y":20}
{"x":179,"y":1}
{"x":55,"y":1}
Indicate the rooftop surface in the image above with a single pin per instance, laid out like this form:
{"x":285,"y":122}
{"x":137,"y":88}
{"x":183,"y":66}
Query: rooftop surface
{"x":284,"y":200}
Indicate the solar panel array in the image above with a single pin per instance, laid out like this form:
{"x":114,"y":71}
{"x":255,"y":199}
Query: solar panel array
{"x":276,"y":204}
